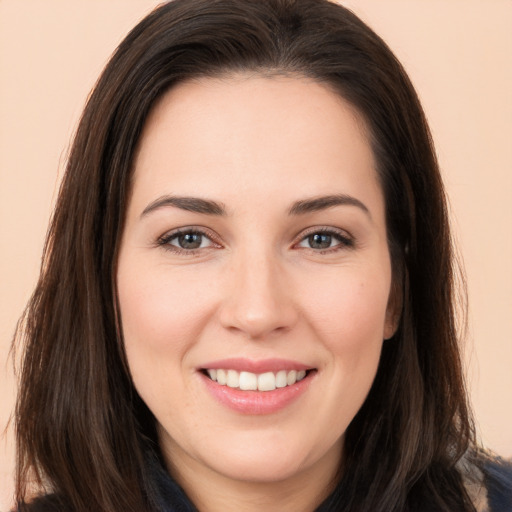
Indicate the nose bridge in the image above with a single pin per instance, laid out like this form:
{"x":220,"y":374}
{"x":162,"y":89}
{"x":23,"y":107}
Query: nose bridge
{"x":258,"y":302}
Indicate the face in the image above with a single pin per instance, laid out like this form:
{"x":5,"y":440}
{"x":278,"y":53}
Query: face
{"x":254,"y":276}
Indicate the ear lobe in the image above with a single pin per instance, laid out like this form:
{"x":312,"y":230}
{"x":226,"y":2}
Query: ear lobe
{"x":394,"y":309}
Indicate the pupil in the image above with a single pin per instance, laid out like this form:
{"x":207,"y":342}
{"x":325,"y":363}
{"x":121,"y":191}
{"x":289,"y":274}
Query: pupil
{"x":320,"y":241}
{"x":190,"y":240}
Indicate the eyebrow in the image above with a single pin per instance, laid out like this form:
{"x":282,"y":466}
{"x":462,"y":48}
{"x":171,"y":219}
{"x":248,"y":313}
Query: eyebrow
{"x":209,"y":207}
{"x":316,"y":204}
{"x":190,"y":204}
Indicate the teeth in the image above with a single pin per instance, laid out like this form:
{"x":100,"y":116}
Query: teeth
{"x":233,"y":379}
{"x":291,"y":377}
{"x":248,"y":381}
{"x":266,"y":382}
{"x":222,"y":377}
{"x":281,"y":379}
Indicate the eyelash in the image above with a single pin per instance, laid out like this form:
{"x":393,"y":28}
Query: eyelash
{"x":345,"y":241}
{"x":165,"y":240}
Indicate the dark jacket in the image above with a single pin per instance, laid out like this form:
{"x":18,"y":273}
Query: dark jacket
{"x":491,"y":491}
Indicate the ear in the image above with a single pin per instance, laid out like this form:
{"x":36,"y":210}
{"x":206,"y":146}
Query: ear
{"x":394,"y":307}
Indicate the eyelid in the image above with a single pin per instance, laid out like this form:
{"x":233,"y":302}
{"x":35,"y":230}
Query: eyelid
{"x":345,"y":238}
{"x":163,"y":240}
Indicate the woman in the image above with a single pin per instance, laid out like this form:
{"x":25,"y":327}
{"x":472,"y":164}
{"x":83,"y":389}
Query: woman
{"x":247,"y":291}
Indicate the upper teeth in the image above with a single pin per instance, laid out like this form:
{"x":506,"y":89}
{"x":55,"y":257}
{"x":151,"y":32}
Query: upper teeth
{"x":251,"y":381}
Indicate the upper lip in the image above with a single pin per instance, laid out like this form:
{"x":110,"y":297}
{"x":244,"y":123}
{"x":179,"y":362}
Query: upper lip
{"x":241,"y":364}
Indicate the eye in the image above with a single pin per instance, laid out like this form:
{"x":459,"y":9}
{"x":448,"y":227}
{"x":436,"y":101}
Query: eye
{"x":189,"y":241}
{"x":322,"y":240}
{"x":186,"y":240}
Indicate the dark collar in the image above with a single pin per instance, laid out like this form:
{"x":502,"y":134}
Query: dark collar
{"x":168,"y":496}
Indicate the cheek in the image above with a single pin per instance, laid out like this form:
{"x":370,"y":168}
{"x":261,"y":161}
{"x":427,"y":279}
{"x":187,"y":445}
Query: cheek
{"x":162,"y":314}
{"x":349,"y":313}
{"x":349,"y":316}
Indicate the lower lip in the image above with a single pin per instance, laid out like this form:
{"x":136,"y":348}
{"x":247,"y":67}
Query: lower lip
{"x":257,"y":402}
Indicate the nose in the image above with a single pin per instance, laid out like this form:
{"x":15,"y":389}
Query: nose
{"x":260,"y":301}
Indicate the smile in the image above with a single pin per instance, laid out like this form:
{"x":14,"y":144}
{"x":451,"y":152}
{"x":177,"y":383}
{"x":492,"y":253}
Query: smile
{"x":248,"y":381}
{"x":256,"y":387}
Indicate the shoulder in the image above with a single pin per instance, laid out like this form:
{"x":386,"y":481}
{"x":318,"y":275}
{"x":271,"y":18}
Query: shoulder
{"x":488,"y":481}
{"x":47,"y":503}
{"x":498,"y":482}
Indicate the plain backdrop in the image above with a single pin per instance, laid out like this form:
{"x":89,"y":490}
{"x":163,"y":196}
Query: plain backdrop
{"x":458,"y":55}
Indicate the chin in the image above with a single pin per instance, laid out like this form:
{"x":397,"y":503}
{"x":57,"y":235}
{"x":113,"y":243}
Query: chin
{"x":260,"y":470}
{"x":265,"y":458}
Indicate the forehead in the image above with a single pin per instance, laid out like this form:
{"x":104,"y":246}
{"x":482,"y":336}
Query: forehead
{"x":250,"y":134}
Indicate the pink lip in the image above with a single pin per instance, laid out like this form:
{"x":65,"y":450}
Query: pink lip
{"x":248,"y":365}
{"x":257,"y":402}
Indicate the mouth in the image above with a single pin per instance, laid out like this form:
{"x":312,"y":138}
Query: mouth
{"x":257,"y":387}
{"x":249,"y":381}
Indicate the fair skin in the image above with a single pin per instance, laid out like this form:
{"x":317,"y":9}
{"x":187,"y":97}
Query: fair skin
{"x":264,"y":281}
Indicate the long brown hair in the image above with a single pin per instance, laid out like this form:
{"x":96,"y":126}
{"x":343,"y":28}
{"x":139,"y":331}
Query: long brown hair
{"x":81,"y":427}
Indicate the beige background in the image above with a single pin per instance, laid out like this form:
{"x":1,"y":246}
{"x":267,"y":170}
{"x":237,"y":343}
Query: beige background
{"x":457,"y":53}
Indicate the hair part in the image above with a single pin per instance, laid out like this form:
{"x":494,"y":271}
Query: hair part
{"x":78,"y":412}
